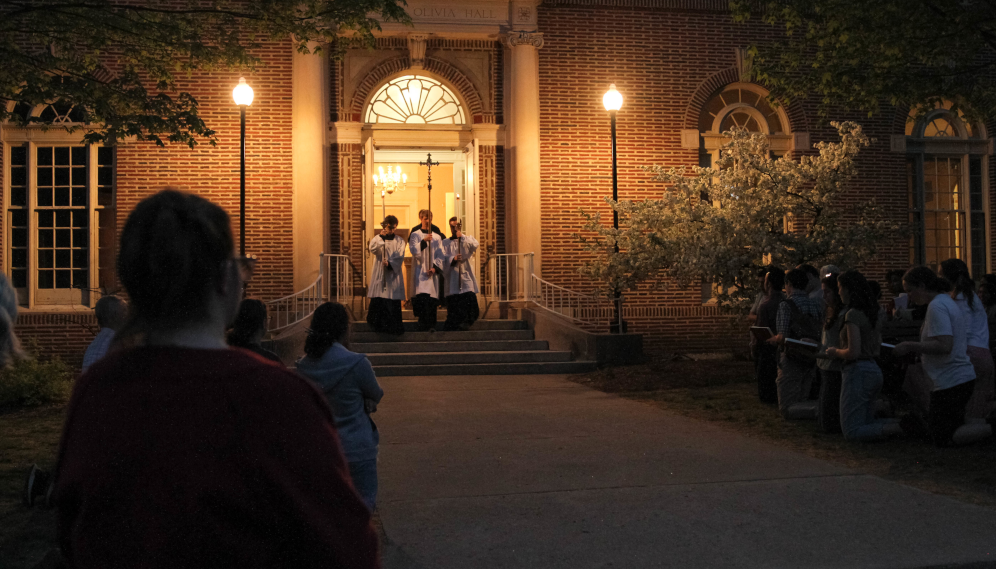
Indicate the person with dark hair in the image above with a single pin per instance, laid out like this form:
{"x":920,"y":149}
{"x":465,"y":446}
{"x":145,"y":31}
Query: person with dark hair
{"x":111,"y":313}
{"x":943,"y":349}
{"x":180,"y":452}
{"x":813,"y":288}
{"x":351,"y":388}
{"x":387,"y":283}
{"x":461,"y":283}
{"x":249,"y":328}
{"x":766,"y":355}
{"x":976,"y":320}
{"x":828,"y":410}
{"x":899,"y":305}
{"x":798,"y":318}
{"x":426,"y":248}
{"x":876,"y":293}
{"x":861,"y":378}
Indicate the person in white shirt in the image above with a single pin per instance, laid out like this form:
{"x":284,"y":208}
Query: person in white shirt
{"x":111,"y":313}
{"x":387,"y":284}
{"x":461,"y":282}
{"x":426,"y":248}
{"x":900,"y":300}
{"x":977,"y":326}
{"x":943,"y":352}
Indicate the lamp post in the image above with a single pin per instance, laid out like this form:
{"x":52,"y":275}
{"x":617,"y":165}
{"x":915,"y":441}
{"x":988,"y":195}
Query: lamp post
{"x":243,"y":98}
{"x":612,"y":101}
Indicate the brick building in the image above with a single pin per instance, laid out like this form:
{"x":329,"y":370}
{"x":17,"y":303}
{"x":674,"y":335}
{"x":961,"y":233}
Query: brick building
{"x":507,"y":98}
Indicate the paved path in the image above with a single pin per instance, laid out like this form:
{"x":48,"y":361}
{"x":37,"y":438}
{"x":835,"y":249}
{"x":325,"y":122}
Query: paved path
{"x":536,"y":471}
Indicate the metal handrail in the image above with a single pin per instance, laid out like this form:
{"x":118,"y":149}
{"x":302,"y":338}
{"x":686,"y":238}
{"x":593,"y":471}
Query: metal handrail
{"x":287,"y":311}
{"x":512,"y":280}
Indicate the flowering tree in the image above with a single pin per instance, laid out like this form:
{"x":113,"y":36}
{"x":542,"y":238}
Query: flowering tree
{"x":721,"y":224}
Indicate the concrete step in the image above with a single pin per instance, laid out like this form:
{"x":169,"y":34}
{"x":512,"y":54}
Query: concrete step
{"x":411,"y":325}
{"x":524,"y":368}
{"x":463,"y":358}
{"x":409,"y":315}
{"x":434,"y":337}
{"x":483,"y":346}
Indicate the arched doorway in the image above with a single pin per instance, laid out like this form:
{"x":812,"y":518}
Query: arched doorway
{"x":407,"y":118}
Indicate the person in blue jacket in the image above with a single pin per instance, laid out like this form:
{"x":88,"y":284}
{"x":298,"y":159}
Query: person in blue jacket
{"x":349,"y":384}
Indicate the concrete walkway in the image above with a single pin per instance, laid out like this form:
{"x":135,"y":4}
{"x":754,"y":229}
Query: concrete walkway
{"x":536,"y":471}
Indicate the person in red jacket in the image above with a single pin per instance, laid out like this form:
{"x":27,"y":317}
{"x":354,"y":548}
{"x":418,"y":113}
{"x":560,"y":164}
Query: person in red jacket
{"x":180,"y":452}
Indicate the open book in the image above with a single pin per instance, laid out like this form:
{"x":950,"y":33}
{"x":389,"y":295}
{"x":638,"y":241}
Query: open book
{"x":761,"y":333}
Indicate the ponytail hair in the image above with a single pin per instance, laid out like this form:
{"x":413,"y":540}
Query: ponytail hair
{"x":861,"y":296}
{"x":175,"y":249}
{"x":956,"y":272}
{"x":926,"y":277}
{"x":329,"y":324}
{"x":250,"y":320}
{"x":10,"y":346}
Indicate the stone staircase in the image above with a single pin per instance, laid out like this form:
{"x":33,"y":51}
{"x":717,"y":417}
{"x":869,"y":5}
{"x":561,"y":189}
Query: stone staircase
{"x":490,"y":347}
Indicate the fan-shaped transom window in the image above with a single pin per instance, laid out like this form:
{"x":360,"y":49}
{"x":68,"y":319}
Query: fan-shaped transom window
{"x":415,"y":99}
{"x":941,"y":123}
{"x":741,"y":105}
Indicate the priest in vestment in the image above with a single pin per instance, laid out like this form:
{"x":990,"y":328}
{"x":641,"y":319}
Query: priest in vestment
{"x":387,"y":284}
{"x":427,"y":252}
{"x":461,"y":282}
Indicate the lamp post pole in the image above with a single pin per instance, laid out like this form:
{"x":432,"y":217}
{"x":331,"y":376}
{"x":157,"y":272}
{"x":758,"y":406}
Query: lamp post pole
{"x":243,"y":96}
{"x":612,"y":100}
{"x":242,"y":183}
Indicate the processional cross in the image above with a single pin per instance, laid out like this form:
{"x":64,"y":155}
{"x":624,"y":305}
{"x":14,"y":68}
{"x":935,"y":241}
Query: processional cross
{"x":429,"y":163}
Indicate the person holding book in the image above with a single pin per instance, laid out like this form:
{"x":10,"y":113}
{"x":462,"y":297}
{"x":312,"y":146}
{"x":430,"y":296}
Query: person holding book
{"x":861,"y":378}
{"x":798,"y":326}
{"x":828,"y":410}
{"x":943,"y":352}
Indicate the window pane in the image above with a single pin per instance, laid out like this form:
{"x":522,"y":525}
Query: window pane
{"x":79,"y":197}
{"x":45,"y":156}
{"x":62,"y":176}
{"x":19,"y":156}
{"x":46,"y":238}
{"x":105,"y":156}
{"x":19,"y":197}
{"x":62,"y":156}
{"x":64,"y":279}
{"x":46,"y":218}
{"x":44,"y":197}
{"x":19,"y":278}
{"x":18,"y":176}
{"x":46,"y":259}
{"x":18,"y":236}
{"x":46,"y":279}
{"x":79,"y":156}
{"x":63,"y":259}
{"x":44,"y":177}
{"x":61,"y":197}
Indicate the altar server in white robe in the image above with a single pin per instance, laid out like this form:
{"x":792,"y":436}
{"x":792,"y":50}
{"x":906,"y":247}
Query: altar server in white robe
{"x":461,"y":282}
{"x":427,"y":253}
{"x":387,"y":283}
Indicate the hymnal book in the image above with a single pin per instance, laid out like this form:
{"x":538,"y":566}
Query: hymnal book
{"x":807,"y":345}
{"x":761,"y":333}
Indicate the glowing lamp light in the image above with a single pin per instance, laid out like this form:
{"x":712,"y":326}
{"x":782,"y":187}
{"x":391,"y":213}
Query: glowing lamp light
{"x":612,"y":99}
{"x":242,"y":93}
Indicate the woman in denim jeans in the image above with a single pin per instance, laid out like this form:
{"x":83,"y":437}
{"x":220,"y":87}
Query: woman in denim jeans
{"x":861,"y":376}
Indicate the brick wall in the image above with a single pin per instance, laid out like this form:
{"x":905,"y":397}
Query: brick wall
{"x":64,"y":335}
{"x":665,"y":63}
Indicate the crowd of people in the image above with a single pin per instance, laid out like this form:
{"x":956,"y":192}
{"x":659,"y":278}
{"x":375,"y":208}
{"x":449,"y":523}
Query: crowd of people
{"x":817,"y":344}
{"x":179,"y":450}
{"x":186,"y":443}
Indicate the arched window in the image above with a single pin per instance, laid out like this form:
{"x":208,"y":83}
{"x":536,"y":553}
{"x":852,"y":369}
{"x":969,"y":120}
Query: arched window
{"x":742,"y":105}
{"x":946,"y":158}
{"x":415,"y":99}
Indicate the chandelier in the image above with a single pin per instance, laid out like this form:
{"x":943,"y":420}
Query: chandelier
{"x":390,"y":182}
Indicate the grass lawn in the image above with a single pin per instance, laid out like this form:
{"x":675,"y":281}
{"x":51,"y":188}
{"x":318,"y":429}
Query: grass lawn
{"x":725,"y":392}
{"x":26,"y":437}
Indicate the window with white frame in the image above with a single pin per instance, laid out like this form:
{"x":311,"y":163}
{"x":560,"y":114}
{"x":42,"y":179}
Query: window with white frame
{"x":60,"y":217}
{"x":949,"y":210}
{"x":739,"y":105}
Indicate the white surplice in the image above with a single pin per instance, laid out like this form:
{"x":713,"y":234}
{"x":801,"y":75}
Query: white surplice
{"x":394,"y":251}
{"x":424,"y":283}
{"x":460,"y":278}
